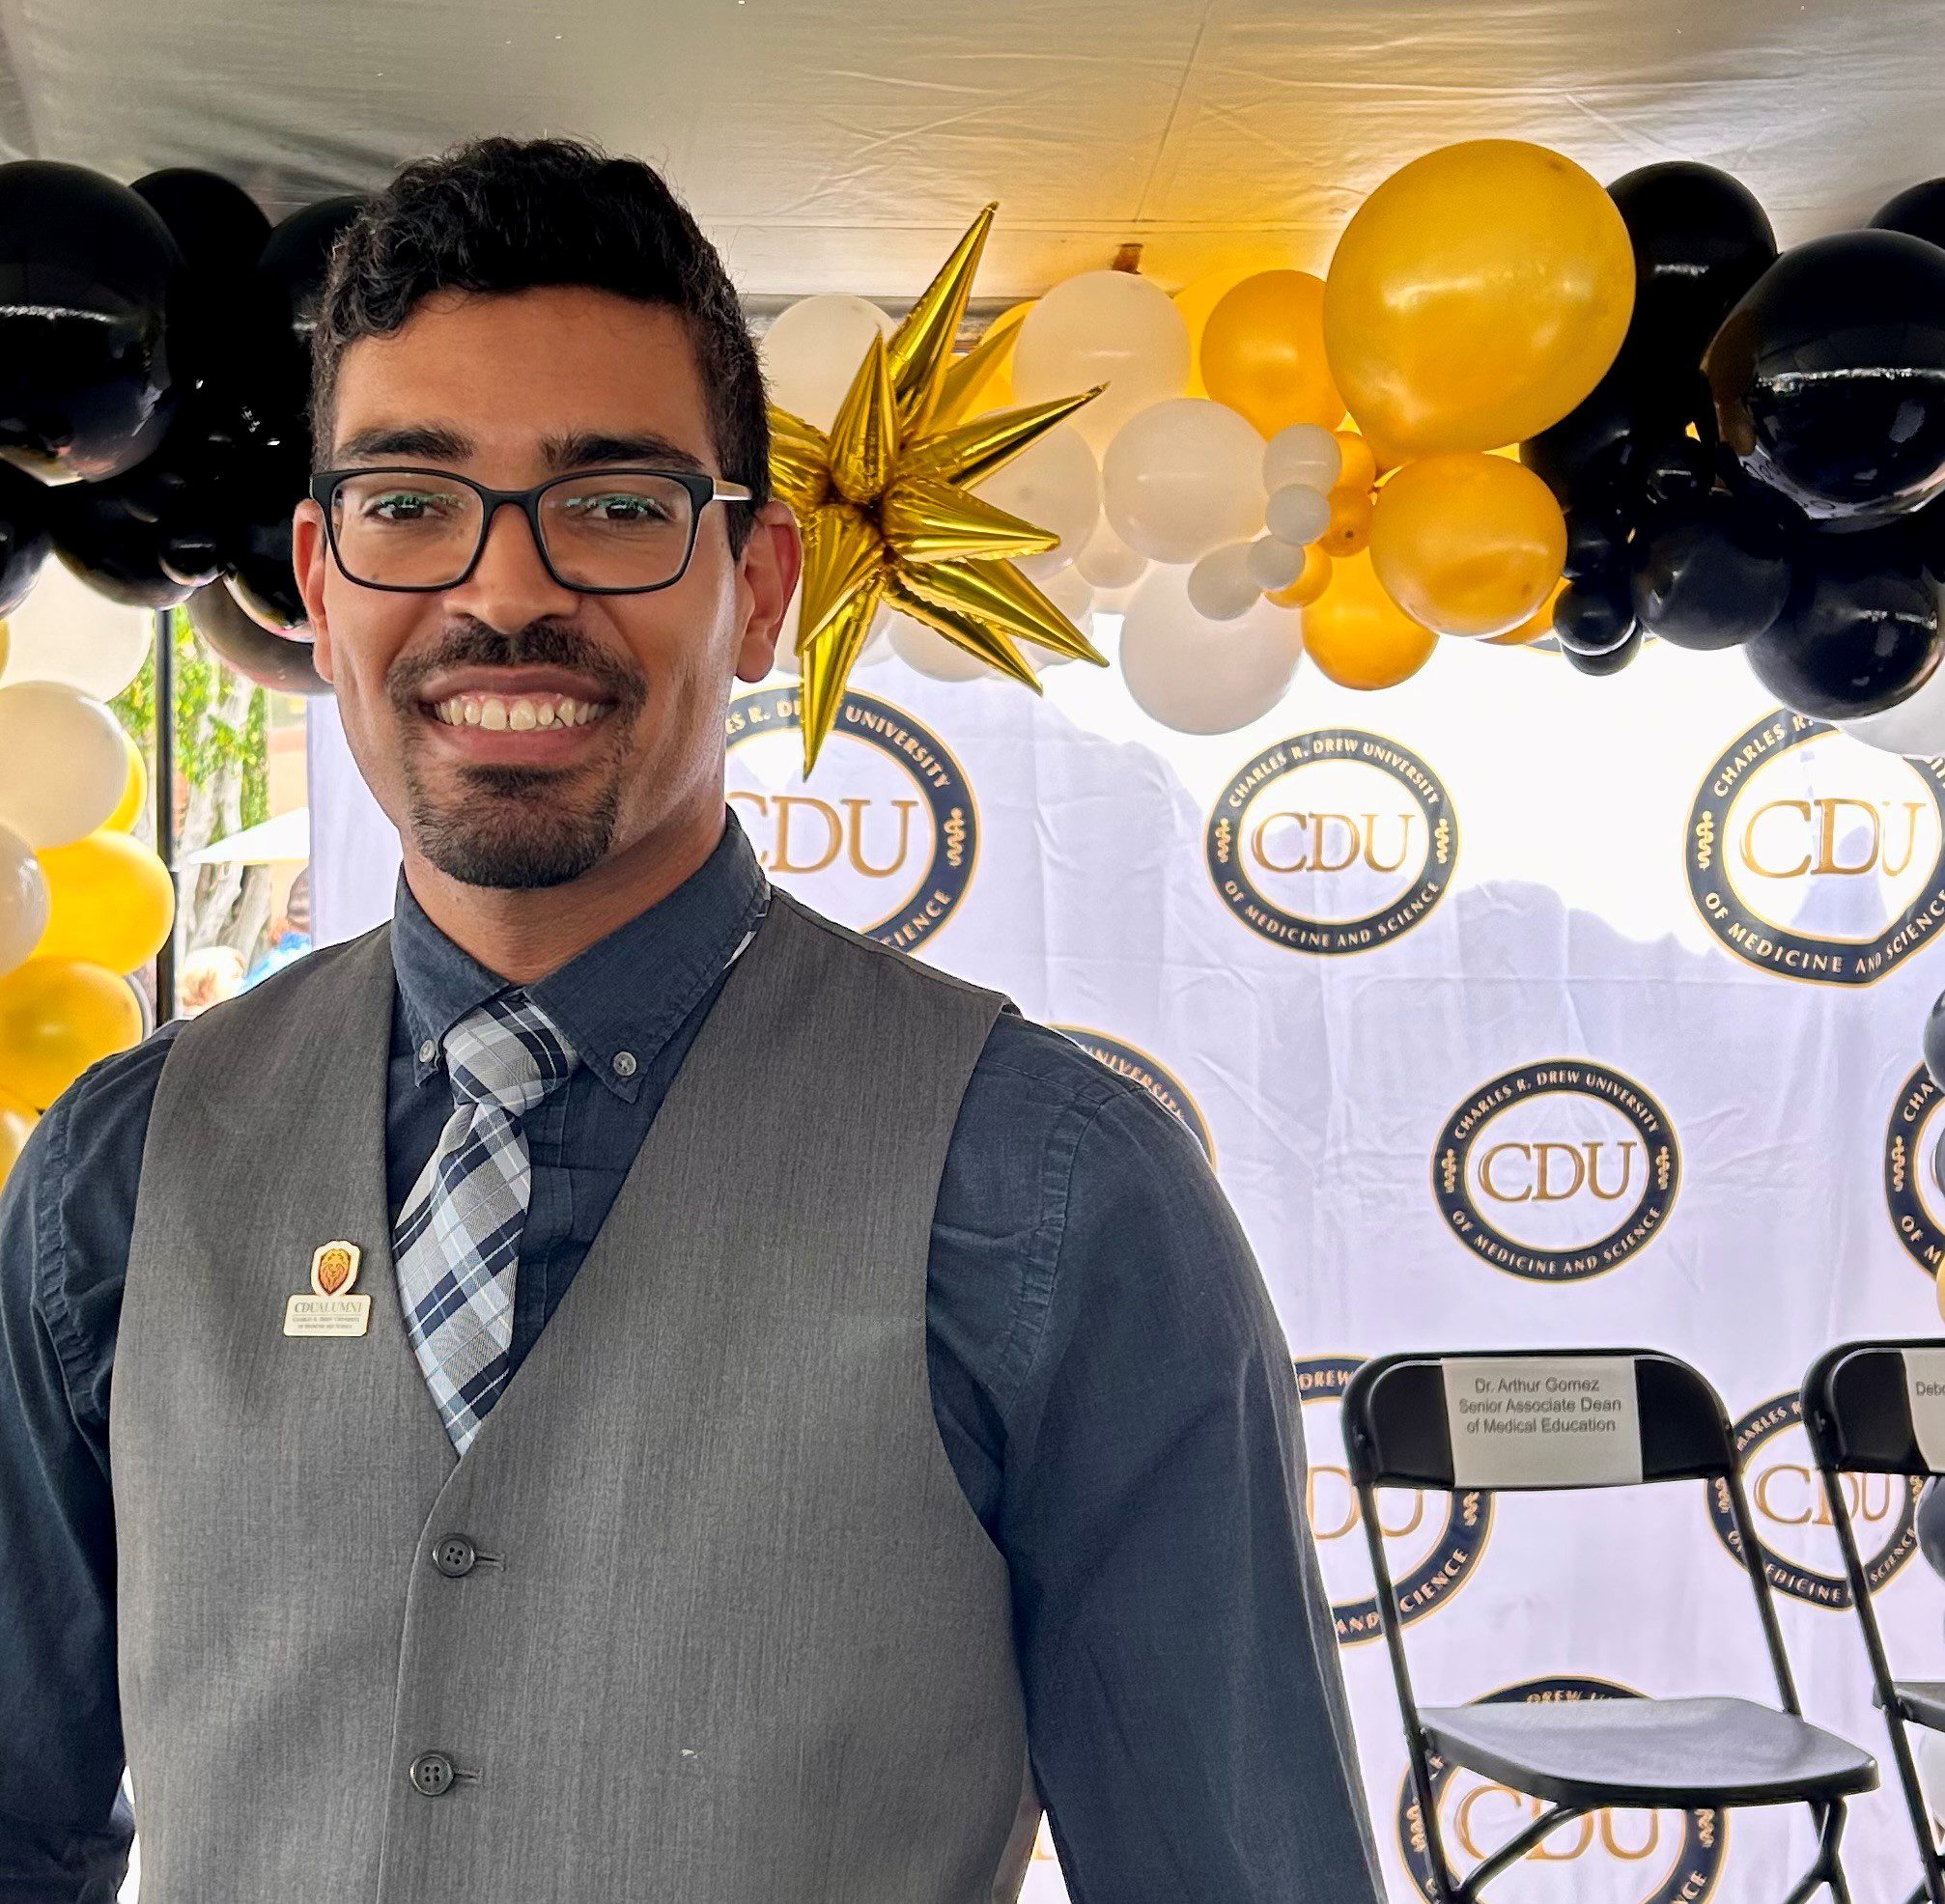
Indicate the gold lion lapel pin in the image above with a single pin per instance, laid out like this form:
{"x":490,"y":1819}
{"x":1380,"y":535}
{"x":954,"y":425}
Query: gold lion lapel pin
{"x":329,"y":1310}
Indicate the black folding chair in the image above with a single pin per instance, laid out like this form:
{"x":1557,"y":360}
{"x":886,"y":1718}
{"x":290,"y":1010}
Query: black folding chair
{"x":1857,"y":1412}
{"x":1580,"y":1757}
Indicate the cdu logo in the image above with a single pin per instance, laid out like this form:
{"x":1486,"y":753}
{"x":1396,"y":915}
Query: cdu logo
{"x":1557,"y":1171}
{"x":1333,"y":842}
{"x":886,"y":842}
{"x":1161,"y":1084}
{"x":1785,"y":1498}
{"x":1912,"y":1191}
{"x":1432,"y":1541}
{"x":1644,"y":1857}
{"x":1814,"y":856}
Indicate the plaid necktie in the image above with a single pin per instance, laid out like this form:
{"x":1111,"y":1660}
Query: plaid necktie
{"x":457,"y":1246}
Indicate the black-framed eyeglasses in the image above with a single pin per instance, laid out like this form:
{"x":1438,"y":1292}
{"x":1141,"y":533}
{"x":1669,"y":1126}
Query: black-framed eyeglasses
{"x":599,"y":531}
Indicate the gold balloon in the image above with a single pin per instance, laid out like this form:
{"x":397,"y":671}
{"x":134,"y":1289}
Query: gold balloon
{"x":1197,"y":298}
{"x":134,"y":796}
{"x":1361,"y":464}
{"x":1536,"y":627}
{"x":1476,"y":297}
{"x":1466,"y":542}
{"x":112,"y":902}
{"x":1349,"y":530}
{"x":1263,"y":352}
{"x":16,"y":1119}
{"x":1358,"y":635}
{"x":58,"y":1016}
{"x":1310,"y":584}
{"x":880,"y":497}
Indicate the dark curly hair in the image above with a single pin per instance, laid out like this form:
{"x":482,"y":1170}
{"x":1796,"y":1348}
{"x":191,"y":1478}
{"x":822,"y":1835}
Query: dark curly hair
{"x":505,"y":214}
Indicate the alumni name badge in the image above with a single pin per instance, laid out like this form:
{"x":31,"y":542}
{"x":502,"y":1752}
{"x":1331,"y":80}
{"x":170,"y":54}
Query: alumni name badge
{"x":328,"y":1309}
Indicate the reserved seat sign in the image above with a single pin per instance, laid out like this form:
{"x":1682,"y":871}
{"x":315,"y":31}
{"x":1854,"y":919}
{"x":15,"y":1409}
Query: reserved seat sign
{"x":1543,"y":1421}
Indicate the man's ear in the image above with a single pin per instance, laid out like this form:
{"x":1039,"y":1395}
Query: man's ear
{"x":772,"y":561}
{"x":309,"y":552}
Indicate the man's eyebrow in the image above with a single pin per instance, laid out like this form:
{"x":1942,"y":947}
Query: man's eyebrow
{"x":580,"y":448}
{"x":440,"y":442}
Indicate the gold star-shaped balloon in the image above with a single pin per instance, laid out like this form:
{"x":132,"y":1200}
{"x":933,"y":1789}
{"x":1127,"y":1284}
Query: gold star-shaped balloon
{"x":883,"y":500}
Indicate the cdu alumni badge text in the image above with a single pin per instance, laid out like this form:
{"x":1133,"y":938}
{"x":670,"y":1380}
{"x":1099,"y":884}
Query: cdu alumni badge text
{"x":328,"y":1310}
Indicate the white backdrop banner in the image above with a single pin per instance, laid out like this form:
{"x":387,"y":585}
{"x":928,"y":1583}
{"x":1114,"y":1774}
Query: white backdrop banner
{"x":1515,"y":1009}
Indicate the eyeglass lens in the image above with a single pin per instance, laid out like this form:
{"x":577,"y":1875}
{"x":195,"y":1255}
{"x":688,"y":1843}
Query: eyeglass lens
{"x":417,"y":530}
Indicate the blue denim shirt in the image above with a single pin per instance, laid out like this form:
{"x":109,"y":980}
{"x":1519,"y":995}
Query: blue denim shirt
{"x":1109,"y":1379}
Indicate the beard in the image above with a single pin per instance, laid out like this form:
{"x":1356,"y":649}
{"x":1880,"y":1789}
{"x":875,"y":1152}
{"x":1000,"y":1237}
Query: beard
{"x":516,"y":828}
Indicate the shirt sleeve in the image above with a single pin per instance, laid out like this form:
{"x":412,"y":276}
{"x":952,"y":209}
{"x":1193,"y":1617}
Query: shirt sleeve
{"x":66,"y":1215}
{"x":1187,"y":1719}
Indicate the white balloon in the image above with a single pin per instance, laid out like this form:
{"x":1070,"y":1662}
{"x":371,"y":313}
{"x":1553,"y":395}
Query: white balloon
{"x":927,"y":651}
{"x":1297,"y":514}
{"x":1203,"y":676}
{"x":63,"y":766}
{"x":1111,"y":328}
{"x":813,"y":350}
{"x":1915,"y":727}
{"x":1108,"y":562}
{"x":1220,"y":584}
{"x":1183,"y":478}
{"x":1054,"y":484}
{"x":1305,"y":453}
{"x":1274,"y":564}
{"x":65,"y":631}
{"x":23,"y":900}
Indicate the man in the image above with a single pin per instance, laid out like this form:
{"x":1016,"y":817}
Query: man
{"x":623,"y":1388}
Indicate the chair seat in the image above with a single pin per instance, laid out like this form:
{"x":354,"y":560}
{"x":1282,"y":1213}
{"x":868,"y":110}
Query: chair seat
{"x":1923,"y":1701}
{"x":1679,"y":1753}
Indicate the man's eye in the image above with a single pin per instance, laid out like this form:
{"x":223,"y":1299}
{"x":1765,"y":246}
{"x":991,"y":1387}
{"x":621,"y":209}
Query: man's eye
{"x":620,"y":509}
{"x":409,"y":506}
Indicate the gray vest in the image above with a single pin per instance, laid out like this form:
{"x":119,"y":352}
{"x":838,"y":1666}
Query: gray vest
{"x":702,"y":1615}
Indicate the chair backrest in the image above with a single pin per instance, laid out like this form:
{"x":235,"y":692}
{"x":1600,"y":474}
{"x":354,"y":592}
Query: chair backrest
{"x":1527,"y":1420}
{"x":1878,"y":1408}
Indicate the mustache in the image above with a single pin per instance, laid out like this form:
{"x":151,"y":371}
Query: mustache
{"x":539,"y":644}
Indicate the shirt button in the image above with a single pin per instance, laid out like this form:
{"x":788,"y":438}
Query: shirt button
{"x":432,"y":1773}
{"x":453,"y":1556}
{"x":623,"y":1064}
{"x":428,"y":1052}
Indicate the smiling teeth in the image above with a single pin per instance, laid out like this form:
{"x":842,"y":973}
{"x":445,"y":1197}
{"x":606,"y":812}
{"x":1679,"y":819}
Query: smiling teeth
{"x":521,"y":713}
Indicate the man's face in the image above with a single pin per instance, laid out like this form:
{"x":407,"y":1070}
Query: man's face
{"x":518,"y":733}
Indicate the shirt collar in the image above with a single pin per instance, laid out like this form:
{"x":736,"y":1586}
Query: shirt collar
{"x":620,"y":999}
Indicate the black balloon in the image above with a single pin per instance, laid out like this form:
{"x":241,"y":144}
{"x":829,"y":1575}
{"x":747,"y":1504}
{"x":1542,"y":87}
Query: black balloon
{"x":1859,"y":631}
{"x":298,"y":251}
{"x":1934,"y":1043}
{"x":112,"y":549}
{"x":1593,"y":616}
{"x":1677,"y":469}
{"x":1918,"y":210}
{"x":1700,"y":239}
{"x":1829,"y":375}
{"x":85,"y":271}
{"x":1712,"y":577}
{"x":216,"y":225}
{"x":259,"y":574}
{"x":24,"y":540}
{"x":1595,"y":541}
{"x":271,"y":660}
{"x":1610,"y":660}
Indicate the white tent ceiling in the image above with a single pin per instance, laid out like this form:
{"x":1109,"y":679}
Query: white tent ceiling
{"x":827,"y":146}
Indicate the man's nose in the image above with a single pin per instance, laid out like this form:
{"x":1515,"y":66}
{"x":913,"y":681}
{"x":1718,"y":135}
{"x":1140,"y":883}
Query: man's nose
{"x":510,"y":585}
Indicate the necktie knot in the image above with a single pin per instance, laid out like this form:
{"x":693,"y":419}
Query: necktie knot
{"x":507,"y":1054}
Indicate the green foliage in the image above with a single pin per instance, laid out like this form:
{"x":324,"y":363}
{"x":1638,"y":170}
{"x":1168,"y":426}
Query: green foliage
{"x":208,"y":744}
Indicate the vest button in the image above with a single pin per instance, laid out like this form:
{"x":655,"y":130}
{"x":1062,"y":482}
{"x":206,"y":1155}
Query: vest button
{"x":454,"y":1555}
{"x":432,"y":1773}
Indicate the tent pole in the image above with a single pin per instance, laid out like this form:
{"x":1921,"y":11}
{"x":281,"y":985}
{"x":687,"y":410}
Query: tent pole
{"x":165,"y":800}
